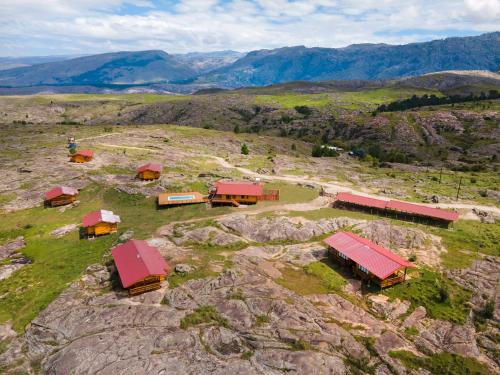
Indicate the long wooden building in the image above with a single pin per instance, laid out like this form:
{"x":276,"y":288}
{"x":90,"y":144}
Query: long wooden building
{"x":236,"y":193}
{"x":60,"y":195}
{"x":140,"y":266}
{"x":398,"y":209}
{"x":100,"y":222}
{"x":369,"y":261}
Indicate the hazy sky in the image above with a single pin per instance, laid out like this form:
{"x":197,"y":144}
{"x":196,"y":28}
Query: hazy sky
{"x":49,"y":27}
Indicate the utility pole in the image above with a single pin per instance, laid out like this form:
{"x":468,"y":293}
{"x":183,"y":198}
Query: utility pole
{"x":458,"y":189}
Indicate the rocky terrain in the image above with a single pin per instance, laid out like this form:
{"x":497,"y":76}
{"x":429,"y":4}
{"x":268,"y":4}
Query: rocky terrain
{"x":464,"y":136}
{"x":252,"y":289}
{"x":240,"y":321}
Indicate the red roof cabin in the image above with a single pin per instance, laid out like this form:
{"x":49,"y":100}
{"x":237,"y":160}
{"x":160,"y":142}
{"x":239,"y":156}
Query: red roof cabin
{"x":399,"y":209}
{"x":236,"y":193}
{"x":100,"y":222}
{"x":368,"y":260}
{"x":149,"y":171}
{"x":140,"y":266}
{"x":82,"y":156}
{"x":60,"y":196}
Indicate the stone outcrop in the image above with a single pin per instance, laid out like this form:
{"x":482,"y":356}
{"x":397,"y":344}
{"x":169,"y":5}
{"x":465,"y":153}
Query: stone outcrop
{"x":282,"y":228}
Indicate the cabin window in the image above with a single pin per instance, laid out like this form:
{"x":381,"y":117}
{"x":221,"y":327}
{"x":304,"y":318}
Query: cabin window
{"x":343,"y":256}
{"x":363,"y":268}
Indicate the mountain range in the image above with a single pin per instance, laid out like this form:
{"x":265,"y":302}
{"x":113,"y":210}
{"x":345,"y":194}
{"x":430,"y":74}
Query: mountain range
{"x":229,"y":69}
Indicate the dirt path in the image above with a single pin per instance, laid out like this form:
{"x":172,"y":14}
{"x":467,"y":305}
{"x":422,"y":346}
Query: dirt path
{"x":335,"y":188}
{"x":316,"y":204}
{"x":129,"y":147}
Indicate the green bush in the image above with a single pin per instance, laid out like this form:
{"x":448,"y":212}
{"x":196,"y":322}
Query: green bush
{"x":244,"y":149}
{"x":203,"y":314}
{"x":442,"y":363}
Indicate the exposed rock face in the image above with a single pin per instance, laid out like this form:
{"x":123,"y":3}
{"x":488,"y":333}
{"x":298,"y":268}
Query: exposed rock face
{"x":64,"y":230}
{"x":415,"y":317}
{"x":484,"y":216}
{"x":139,"y":335}
{"x":445,"y":336}
{"x":482,"y":279}
{"x":389,"y":309}
{"x":9,"y":254}
{"x":282,"y":228}
{"x":11,"y":247}
{"x":184,"y":268}
{"x":208,"y":235}
{"x":406,"y":241}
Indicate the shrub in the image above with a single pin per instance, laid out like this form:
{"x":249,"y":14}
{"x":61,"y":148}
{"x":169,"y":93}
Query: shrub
{"x":247,"y":355}
{"x":443,"y":294}
{"x":203,"y":314}
{"x":412,"y":257}
{"x":236,"y":129}
{"x":244,"y":149}
{"x":294,"y":148}
{"x":488,"y":310}
{"x":304,"y":110}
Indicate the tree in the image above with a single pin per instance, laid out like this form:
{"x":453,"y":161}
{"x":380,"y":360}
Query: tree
{"x":304,"y":110}
{"x":244,"y":149}
{"x":236,"y":129}
{"x":294,"y":148}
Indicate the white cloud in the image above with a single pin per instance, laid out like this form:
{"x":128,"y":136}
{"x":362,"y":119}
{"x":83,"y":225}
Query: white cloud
{"x":93,"y":26}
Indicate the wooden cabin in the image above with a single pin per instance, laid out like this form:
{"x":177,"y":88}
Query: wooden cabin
{"x":398,"y":209}
{"x":149,"y":171}
{"x":140,"y":266}
{"x":236,"y":193}
{"x":175,"y":199}
{"x":82,"y":156}
{"x":368,"y":261}
{"x":60,"y":195}
{"x":100,"y":222}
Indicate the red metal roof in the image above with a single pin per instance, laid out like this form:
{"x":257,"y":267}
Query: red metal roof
{"x":136,"y":260}
{"x":360,"y":200}
{"x":154,"y":167}
{"x":378,"y":260}
{"x":88,"y":153}
{"x":239,"y":188}
{"x":418,"y":209}
{"x":399,"y":206}
{"x":101,"y":216}
{"x":60,"y":190}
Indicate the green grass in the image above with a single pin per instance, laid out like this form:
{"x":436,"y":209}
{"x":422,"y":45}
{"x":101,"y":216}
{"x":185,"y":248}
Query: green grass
{"x":290,"y":193}
{"x":260,"y":320}
{"x":376,"y":97}
{"x":466,"y":239}
{"x":58,"y":262}
{"x":203,"y":315}
{"x":423,"y":290}
{"x":7,"y":197}
{"x":315,"y":278}
{"x":442,"y":363}
{"x":293,"y":100}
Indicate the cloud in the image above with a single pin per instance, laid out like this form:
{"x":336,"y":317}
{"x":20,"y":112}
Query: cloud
{"x":29,"y":27}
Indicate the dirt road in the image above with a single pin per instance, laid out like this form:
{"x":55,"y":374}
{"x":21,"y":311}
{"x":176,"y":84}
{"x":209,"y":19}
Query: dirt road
{"x":333,"y":188}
